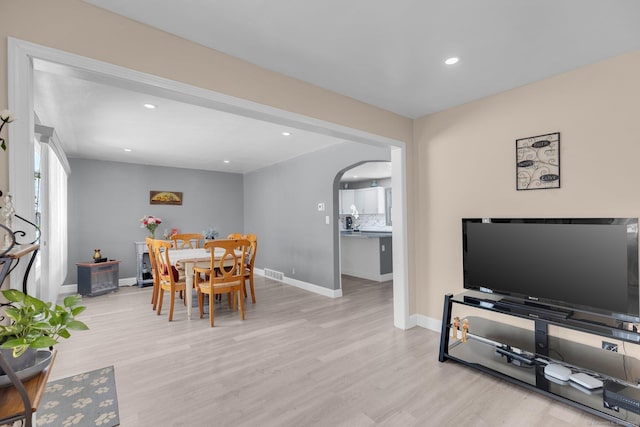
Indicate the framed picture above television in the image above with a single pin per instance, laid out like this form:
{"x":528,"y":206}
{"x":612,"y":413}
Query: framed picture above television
{"x":538,"y":162}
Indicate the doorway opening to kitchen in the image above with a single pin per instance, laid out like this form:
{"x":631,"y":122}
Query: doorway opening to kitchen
{"x":365,"y":226}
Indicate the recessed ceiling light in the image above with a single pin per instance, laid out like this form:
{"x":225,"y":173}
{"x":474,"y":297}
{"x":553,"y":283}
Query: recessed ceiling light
{"x":452,"y":60}
{"x":128,"y":150}
{"x":227,"y":161}
{"x":286,"y":133}
{"x":149,"y":106}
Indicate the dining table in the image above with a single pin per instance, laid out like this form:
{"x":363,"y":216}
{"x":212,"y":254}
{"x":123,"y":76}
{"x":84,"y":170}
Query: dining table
{"x":190,"y":258}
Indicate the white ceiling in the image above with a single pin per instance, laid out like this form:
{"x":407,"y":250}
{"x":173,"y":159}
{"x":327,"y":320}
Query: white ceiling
{"x":367,"y":171}
{"x":388,"y":54}
{"x":98,"y":120}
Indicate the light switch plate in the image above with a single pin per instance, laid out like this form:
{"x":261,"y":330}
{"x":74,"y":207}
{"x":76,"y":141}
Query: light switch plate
{"x":320,"y":207}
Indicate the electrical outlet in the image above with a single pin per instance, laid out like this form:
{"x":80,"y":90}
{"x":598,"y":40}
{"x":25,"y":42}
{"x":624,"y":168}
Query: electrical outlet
{"x":609,"y":346}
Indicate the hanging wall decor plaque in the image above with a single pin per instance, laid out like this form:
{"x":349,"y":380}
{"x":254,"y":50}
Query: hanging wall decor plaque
{"x":165,"y":197}
{"x":538,"y":162}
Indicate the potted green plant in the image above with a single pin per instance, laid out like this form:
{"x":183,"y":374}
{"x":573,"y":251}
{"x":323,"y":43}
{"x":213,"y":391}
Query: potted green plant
{"x":36,"y":324}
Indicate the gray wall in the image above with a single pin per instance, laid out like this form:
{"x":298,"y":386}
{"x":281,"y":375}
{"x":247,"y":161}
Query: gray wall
{"x":281,"y":207}
{"x":107,"y":199}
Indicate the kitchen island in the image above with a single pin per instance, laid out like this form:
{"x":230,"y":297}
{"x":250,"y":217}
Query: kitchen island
{"x":366,"y":254}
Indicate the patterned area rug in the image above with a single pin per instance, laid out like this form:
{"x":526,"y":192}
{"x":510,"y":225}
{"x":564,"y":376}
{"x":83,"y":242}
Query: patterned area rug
{"x":87,"y":399}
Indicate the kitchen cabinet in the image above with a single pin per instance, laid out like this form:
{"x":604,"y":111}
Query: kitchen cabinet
{"x":367,"y":200}
{"x":347,"y":198}
{"x":370,"y":200}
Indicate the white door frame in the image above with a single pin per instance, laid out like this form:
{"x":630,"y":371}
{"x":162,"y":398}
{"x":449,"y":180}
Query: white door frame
{"x":20,"y":90}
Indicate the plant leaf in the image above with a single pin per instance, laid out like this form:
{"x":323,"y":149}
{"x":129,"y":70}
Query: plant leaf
{"x":72,"y":300}
{"x":13,"y":295}
{"x":15,"y":342}
{"x":12,"y":313}
{"x":43,"y":342}
{"x":77,"y":325}
{"x":77,"y":310}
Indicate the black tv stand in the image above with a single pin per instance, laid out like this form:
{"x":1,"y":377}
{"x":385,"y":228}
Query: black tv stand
{"x":517,"y":347}
{"x":534,"y":310}
{"x":524,"y":307}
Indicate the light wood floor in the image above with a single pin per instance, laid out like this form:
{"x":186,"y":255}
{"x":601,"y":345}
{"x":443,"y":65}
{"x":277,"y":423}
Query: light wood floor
{"x":299,"y":359}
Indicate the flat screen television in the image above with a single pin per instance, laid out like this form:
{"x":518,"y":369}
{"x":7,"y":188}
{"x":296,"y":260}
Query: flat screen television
{"x":587,"y":264}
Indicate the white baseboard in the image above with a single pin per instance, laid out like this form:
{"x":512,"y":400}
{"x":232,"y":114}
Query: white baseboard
{"x":368,"y":275}
{"x":331,"y":293}
{"x":73,"y":288}
{"x":69,"y":289}
{"x":426,"y":322}
{"x":128,"y":281}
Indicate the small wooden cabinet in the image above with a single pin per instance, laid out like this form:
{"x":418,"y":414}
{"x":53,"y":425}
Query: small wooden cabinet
{"x":96,"y":278}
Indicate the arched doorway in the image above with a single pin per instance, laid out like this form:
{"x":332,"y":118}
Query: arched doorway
{"x":365,"y":224}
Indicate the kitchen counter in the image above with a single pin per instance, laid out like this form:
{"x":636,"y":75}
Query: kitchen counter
{"x":366,"y":254}
{"x":365,"y":234}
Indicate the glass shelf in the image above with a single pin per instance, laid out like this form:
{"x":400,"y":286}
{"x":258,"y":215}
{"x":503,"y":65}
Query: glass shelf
{"x":486,"y":336}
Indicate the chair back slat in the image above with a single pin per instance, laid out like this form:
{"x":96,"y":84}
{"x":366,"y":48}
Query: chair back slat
{"x":152,"y":258}
{"x":163,"y":262}
{"x":227,"y":259}
{"x":187,"y":240}
{"x":251,"y":256}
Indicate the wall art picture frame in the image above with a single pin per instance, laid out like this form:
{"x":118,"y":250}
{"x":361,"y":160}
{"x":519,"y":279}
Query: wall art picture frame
{"x":538,"y":162}
{"x":165,"y":197}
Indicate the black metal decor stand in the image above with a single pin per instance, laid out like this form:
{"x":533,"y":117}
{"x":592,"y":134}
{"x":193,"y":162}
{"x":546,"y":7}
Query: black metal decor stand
{"x":7,"y":266}
{"x":28,"y":413}
{"x":444,"y":333}
{"x":6,"y":262}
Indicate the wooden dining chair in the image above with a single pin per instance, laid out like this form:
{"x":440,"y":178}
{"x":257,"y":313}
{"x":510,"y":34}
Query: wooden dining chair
{"x":154,"y":272}
{"x":187,"y":240}
{"x":169,"y":278}
{"x":249,"y":263}
{"x":227,"y":266}
{"x":234,"y":236}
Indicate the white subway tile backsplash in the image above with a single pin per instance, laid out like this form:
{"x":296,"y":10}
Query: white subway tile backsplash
{"x":368,"y":222}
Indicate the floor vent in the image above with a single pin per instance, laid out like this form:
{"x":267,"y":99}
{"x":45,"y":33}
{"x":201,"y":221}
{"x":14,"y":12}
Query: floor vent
{"x":272,"y":274}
